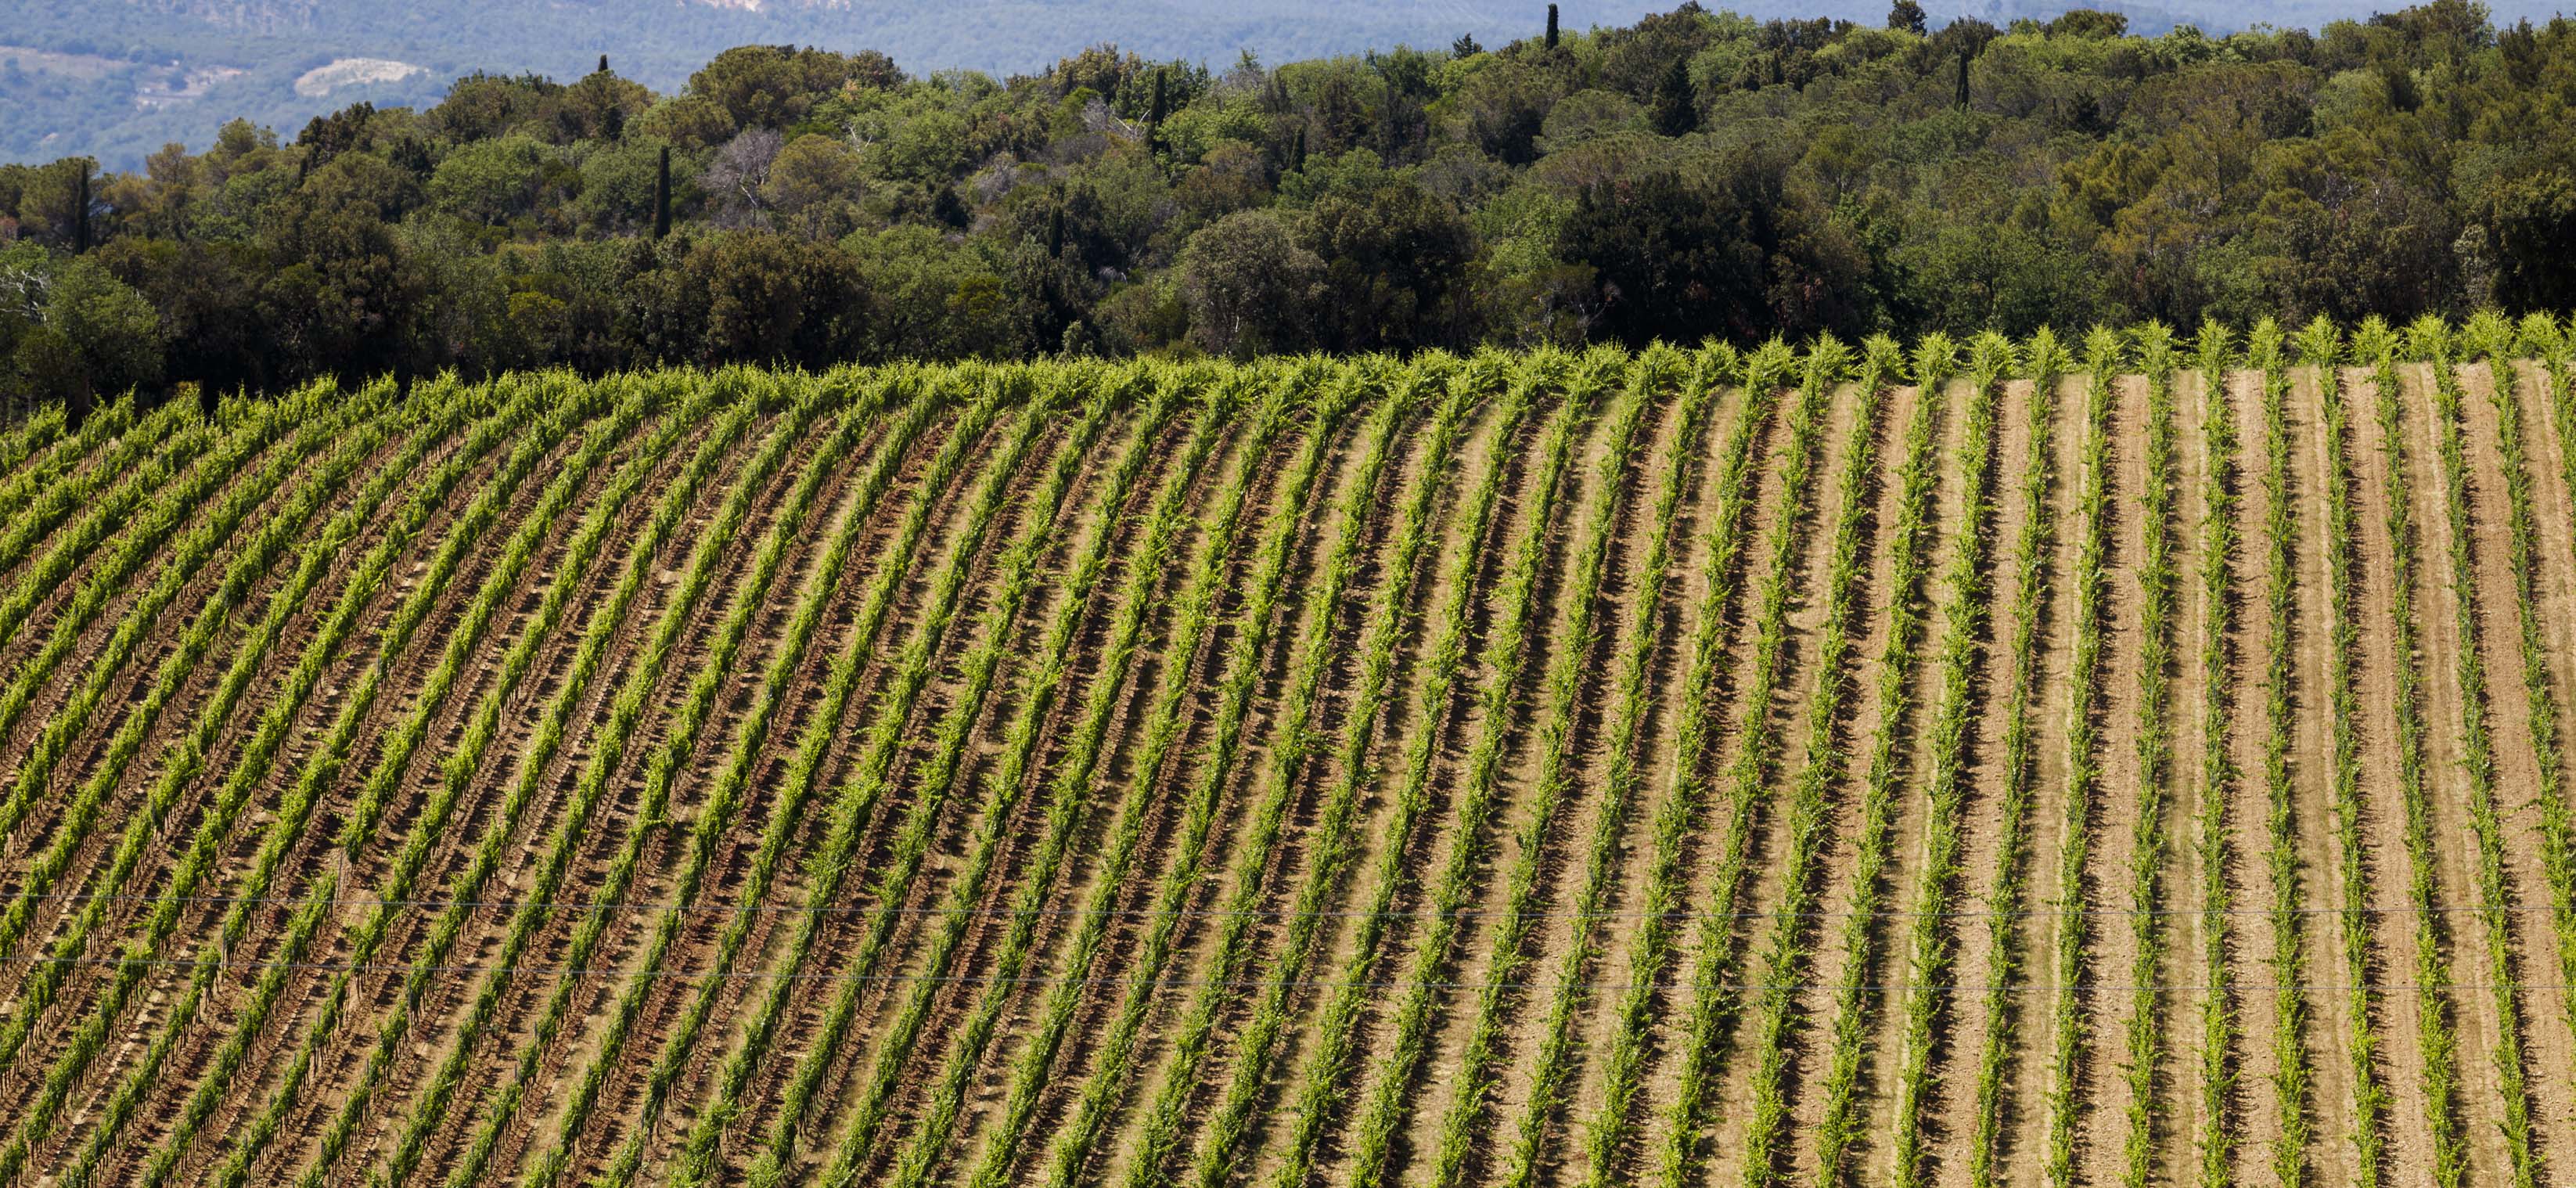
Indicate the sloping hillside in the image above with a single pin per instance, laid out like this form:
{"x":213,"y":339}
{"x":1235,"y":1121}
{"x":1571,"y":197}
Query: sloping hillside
{"x":2092,"y":759}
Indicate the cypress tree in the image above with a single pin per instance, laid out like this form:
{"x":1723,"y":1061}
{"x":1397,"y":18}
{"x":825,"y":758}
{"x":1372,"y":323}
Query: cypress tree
{"x":662,"y":195}
{"x":1055,"y":229}
{"x":1675,"y":111}
{"x":80,"y":211}
{"x":1551,"y":26}
{"x":1155,"y":108}
{"x":1297,"y":152}
{"x":1963,"y":80}
{"x":603,"y":63}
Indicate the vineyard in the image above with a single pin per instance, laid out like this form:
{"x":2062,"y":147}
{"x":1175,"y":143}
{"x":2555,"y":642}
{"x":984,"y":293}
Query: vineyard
{"x":2127,"y":758}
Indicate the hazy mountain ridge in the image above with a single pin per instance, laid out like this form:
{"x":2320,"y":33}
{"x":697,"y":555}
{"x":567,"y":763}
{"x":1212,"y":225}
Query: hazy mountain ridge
{"x":119,"y":79}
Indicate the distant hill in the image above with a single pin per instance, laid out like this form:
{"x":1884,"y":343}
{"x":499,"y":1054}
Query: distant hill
{"x":117,"y":79}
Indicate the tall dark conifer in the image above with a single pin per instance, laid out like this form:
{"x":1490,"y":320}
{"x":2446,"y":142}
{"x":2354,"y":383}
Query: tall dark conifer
{"x":80,"y":211}
{"x":603,"y":63}
{"x":662,"y":195}
{"x":1676,"y":110}
{"x":1963,"y":80}
{"x":1156,"y":108}
{"x":1551,"y":26}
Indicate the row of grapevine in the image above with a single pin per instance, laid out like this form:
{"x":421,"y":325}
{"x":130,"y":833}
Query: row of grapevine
{"x":2068,"y":960}
{"x":2290,"y":971}
{"x":716,"y":812}
{"x":1929,"y":944}
{"x":608,"y":745}
{"x":458,"y":769}
{"x":394,"y":751}
{"x":2218,"y":775}
{"x":1194,"y":624}
{"x":2046,"y":361}
{"x":2157,"y":580}
{"x":2430,"y":340}
{"x":1702,"y":1037}
{"x":1808,"y":812}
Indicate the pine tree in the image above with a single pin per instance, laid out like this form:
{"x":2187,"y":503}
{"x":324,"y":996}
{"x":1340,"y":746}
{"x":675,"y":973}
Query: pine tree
{"x":662,"y":195}
{"x":1465,"y":47}
{"x":1551,"y":26}
{"x":1963,"y":80}
{"x":1906,"y":16}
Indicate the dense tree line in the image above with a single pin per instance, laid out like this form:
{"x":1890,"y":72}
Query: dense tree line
{"x":1695,"y":174}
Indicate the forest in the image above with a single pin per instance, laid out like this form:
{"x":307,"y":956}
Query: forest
{"x":1697,"y":175}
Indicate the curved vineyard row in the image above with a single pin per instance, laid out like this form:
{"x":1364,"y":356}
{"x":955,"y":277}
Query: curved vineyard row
{"x":1821,"y":765}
